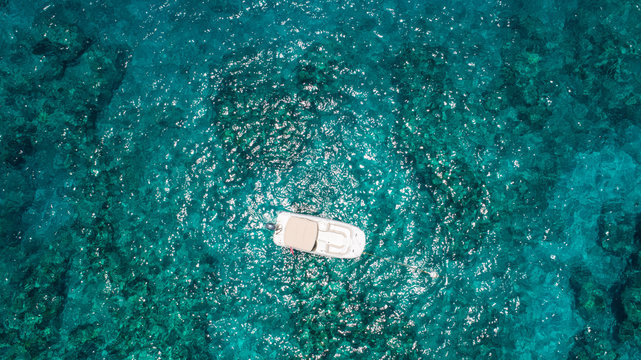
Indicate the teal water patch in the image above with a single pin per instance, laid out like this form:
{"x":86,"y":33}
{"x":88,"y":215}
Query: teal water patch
{"x":493,"y":148}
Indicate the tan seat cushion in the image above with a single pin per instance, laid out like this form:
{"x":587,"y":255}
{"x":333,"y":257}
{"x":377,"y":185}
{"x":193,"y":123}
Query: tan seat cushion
{"x":301,"y":233}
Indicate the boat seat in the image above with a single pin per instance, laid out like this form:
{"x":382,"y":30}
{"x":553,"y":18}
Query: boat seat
{"x":336,"y":238}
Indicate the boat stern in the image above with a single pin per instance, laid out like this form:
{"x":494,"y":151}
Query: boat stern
{"x":279,"y":231}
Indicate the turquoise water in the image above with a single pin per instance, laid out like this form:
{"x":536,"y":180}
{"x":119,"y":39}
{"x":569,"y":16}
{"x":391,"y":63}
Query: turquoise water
{"x":493,"y":146}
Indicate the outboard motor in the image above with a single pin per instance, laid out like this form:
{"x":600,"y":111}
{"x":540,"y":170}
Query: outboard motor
{"x":270,"y":226}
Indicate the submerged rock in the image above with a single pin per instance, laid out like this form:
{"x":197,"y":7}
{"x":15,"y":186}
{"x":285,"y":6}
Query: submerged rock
{"x":590,"y":298}
{"x":429,"y":135}
{"x":321,"y":77}
{"x":16,"y":140}
{"x":605,"y":63}
{"x":56,"y":80}
{"x":619,"y":231}
{"x":16,"y":194}
{"x":261,"y":125}
{"x":261,"y":133}
{"x":32,"y":315}
{"x":631,"y":301}
{"x":626,"y":305}
{"x":56,"y":33}
{"x":591,"y":345}
{"x":334,"y":319}
{"x":89,"y":84}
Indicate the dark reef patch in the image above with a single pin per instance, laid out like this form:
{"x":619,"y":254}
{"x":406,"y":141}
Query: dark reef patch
{"x":261,"y":125}
{"x":593,"y":344}
{"x":332,"y":320}
{"x":628,"y":303}
{"x":427,"y":129}
{"x":618,"y":231}
{"x":266,"y":120}
{"x":590,"y":298}
{"x":56,"y":81}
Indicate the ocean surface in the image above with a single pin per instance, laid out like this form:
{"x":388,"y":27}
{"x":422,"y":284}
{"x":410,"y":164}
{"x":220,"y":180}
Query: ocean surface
{"x":492,"y":147}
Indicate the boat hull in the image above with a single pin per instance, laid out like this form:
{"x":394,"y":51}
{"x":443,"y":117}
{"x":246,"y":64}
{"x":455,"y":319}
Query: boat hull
{"x":335,"y":238}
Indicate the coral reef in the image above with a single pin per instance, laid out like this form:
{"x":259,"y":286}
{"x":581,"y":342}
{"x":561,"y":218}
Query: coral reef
{"x":336,"y":321}
{"x":426,"y":129}
{"x":619,"y":231}
{"x":591,"y":298}
{"x":57,"y":81}
{"x":593,"y":344}
{"x":628,"y":305}
{"x":260,"y":125}
{"x":491,"y":153}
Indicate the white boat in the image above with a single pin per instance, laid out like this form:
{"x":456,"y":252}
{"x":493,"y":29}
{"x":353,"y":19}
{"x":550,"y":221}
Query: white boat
{"x":316,"y":235}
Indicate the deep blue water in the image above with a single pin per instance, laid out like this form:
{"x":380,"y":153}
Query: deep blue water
{"x":494,"y":147}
